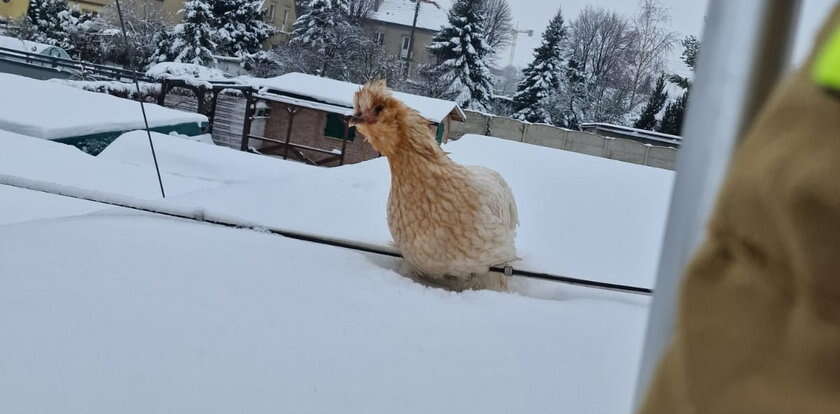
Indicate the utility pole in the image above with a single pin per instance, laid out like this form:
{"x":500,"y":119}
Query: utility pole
{"x":410,"y":55}
{"x":516,"y":32}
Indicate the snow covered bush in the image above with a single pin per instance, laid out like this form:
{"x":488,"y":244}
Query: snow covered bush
{"x":463,"y":56}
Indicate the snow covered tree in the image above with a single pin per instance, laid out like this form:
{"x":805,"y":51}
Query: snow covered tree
{"x":193,"y":41}
{"x":162,"y":43}
{"x":654,"y":105}
{"x":542,"y":76}
{"x":498,"y":24}
{"x":325,"y":28}
{"x":238,"y":27}
{"x":672,"y":121}
{"x":462,"y":56}
{"x":144,"y":24}
{"x":48,"y":21}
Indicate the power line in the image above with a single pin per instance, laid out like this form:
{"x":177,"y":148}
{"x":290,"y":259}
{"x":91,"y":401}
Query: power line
{"x":140,"y":96}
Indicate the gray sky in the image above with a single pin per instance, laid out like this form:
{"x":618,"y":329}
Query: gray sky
{"x":686,"y":18}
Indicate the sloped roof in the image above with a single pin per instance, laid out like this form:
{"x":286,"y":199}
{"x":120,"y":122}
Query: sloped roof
{"x":402,"y":12}
{"x":339,"y":93}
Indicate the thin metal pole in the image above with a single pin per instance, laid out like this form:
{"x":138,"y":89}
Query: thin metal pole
{"x":746,"y":49}
{"x":142,"y":106}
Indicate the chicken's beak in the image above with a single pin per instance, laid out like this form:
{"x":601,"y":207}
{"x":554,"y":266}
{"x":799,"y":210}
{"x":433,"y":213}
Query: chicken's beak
{"x":354,"y":120}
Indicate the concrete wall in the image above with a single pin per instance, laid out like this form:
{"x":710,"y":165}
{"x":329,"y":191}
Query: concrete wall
{"x":560,"y":138}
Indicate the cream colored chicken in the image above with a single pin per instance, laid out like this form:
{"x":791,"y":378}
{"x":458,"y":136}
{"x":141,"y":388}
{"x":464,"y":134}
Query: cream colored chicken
{"x":451,"y":222}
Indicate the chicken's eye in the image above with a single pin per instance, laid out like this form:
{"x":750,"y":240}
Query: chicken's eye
{"x":378,"y":109}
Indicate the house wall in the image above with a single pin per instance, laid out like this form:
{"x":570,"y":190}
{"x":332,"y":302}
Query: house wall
{"x":13,"y":9}
{"x":568,"y":140}
{"x":392,"y":35}
{"x":308,"y":129}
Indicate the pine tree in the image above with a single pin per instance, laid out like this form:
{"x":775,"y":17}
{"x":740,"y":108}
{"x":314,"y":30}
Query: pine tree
{"x":462,"y":56}
{"x":193,"y":41}
{"x":316,"y":28}
{"x":655,"y":103}
{"x":542,"y":76}
{"x":672,"y":121}
{"x":239,"y":28}
{"x":48,"y":21}
{"x":163,"y":41}
{"x":325,"y":29}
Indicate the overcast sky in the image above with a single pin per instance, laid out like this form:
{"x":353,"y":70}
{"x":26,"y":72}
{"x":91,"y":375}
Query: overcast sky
{"x":687,"y":17}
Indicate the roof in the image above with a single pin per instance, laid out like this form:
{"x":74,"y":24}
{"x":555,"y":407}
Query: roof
{"x":402,"y":12}
{"x":340,"y":94}
{"x":50,"y":110}
{"x":634,"y":133}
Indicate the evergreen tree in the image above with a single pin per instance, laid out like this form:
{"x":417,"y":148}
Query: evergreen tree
{"x":48,"y":21}
{"x":239,"y":28}
{"x":542,"y":76}
{"x":193,"y":41}
{"x":655,"y":103}
{"x":462,"y":56}
{"x":163,"y":41}
{"x":672,"y":121}
{"x":325,"y":29}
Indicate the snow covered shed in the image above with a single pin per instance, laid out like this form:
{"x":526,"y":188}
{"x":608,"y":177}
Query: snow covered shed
{"x":87,"y":120}
{"x":307,"y":118}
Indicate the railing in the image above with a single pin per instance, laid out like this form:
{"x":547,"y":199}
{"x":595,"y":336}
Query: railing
{"x":84,"y":69}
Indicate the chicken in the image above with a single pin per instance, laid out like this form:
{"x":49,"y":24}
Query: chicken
{"x":451,"y":222}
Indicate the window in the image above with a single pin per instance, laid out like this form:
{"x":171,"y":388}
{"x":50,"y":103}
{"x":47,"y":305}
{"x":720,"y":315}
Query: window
{"x":439,"y":134}
{"x":284,"y":26}
{"x":379,"y":38}
{"x":404,"y":47}
{"x":335,"y":128}
{"x":270,"y":13}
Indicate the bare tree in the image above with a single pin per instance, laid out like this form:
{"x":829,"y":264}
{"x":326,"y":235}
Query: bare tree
{"x":650,"y":40}
{"x":360,"y":9}
{"x":600,"y":43}
{"x":498,"y":24}
{"x":143,"y":23}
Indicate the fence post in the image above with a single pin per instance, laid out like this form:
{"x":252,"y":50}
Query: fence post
{"x":250,"y":105}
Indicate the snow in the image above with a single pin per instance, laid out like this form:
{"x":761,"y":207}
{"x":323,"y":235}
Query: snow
{"x":110,"y":310}
{"x":139,"y":314}
{"x":29,"y":46}
{"x":402,"y":12}
{"x":341,"y":93}
{"x":42,"y":160}
{"x":193,"y":74}
{"x":581,"y":216}
{"x":51,"y":111}
{"x":112,"y":87}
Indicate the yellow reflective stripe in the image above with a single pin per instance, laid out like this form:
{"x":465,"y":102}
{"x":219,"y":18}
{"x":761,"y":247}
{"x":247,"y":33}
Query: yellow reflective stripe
{"x":826,"y":70}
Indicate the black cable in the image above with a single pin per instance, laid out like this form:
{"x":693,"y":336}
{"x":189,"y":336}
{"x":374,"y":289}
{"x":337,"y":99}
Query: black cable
{"x":201,"y":218}
{"x":128,"y":49}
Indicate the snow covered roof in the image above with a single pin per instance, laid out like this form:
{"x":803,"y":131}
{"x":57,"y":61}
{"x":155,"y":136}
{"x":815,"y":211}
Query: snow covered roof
{"x":402,"y":12}
{"x":193,"y":315}
{"x":50,"y":110}
{"x":32,"y":47}
{"x":338,"y":93}
{"x":633,"y":133}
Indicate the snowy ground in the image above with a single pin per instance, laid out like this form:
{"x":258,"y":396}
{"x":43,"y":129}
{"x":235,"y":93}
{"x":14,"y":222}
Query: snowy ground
{"x":581,"y":216}
{"x":107,"y":310}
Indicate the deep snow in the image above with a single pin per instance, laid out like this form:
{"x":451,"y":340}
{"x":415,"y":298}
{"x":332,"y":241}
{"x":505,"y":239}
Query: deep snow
{"x":108,"y":310}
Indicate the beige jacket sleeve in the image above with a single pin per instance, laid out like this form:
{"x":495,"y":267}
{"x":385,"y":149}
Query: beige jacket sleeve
{"x":758,"y":329}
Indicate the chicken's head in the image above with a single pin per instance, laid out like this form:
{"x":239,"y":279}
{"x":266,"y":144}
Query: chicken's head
{"x":377,"y":115}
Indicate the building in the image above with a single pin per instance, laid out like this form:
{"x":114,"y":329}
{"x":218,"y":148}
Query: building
{"x":306,"y":119}
{"x":13,"y":9}
{"x":391,"y":22}
{"x":639,"y":135}
{"x":95,"y":7}
{"x":279,"y":13}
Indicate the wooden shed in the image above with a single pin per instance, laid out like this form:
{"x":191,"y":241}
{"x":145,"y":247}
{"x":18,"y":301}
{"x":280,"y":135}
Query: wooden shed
{"x":306,"y":119}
